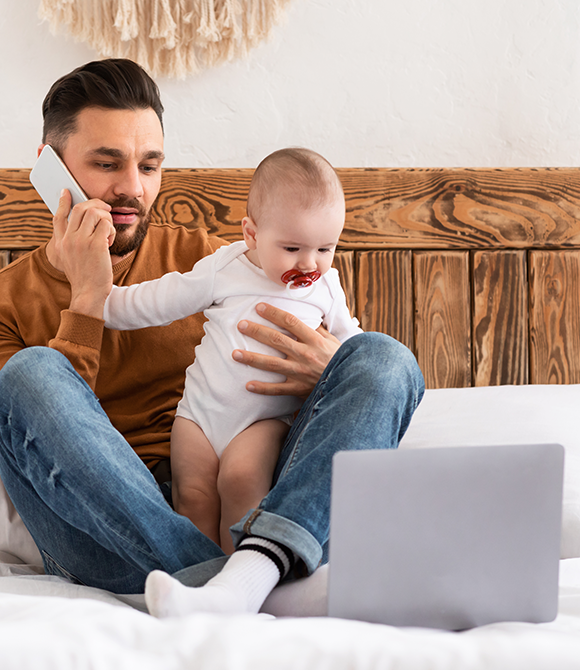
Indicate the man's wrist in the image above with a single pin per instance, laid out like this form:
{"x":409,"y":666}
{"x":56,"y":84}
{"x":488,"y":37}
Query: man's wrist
{"x":88,"y":304}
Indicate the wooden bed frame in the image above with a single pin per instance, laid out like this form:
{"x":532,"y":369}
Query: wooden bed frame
{"x":476,"y":270}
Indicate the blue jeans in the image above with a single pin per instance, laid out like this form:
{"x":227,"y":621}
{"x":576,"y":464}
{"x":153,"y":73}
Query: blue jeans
{"x":98,"y":515}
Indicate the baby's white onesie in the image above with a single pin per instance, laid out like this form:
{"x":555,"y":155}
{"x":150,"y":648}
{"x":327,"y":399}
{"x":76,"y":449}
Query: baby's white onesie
{"x":227,"y":287}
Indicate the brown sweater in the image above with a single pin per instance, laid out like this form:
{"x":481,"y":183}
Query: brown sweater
{"x":137,"y":375}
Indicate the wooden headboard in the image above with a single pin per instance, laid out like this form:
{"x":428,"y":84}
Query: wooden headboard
{"x":476,"y":270}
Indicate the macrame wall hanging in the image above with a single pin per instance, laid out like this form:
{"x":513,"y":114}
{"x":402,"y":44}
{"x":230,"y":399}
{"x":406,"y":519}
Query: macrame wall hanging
{"x":172,"y":38}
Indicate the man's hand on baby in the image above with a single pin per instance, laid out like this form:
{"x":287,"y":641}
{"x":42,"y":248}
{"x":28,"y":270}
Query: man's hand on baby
{"x":306,"y":357}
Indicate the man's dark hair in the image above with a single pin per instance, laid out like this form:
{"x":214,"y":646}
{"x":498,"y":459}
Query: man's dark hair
{"x":114,"y":83}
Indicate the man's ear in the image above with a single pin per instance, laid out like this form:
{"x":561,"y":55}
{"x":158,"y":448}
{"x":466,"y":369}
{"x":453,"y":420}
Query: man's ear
{"x":249,"y":229}
{"x":40,"y":148}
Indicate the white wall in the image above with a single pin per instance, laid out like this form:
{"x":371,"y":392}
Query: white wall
{"x":410,"y":83}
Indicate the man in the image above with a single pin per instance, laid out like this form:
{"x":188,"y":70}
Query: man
{"x":86,"y":413}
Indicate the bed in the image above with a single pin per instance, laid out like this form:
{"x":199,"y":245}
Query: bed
{"x":477,"y":271}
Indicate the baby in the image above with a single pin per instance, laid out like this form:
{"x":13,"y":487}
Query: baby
{"x":225,"y":440}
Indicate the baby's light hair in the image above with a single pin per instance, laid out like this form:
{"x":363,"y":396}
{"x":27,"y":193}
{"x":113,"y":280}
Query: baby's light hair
{"x":307,"y":175}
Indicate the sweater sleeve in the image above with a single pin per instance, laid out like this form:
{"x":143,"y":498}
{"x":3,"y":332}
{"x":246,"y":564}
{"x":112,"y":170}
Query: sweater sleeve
{"x":33,"y":313}
{"x":79,"y":338}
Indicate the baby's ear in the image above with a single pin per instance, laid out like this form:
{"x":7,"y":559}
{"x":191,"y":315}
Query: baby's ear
{"x":249,"y":230}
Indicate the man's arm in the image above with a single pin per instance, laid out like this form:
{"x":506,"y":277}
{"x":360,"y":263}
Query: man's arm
{"x":80,"y":248}
{"x":76,"y":334}
{"x":306,"y":356}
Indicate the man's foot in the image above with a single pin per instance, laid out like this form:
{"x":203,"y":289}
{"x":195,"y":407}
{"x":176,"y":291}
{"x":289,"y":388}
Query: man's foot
{"x":166,"y":597}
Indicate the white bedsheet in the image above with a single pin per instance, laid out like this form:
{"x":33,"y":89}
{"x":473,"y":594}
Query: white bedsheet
{"x":72,"y":628}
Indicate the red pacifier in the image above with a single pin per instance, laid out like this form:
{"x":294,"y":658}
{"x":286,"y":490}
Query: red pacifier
{"x":297,"y":279}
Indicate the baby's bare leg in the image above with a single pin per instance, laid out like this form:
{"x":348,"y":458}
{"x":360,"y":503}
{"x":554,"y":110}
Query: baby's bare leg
{"x":194,"y":470}
{"x":245,"y":472}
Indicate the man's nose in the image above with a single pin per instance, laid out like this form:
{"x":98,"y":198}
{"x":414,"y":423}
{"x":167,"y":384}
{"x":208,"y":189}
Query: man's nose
{"x":129,"y":183}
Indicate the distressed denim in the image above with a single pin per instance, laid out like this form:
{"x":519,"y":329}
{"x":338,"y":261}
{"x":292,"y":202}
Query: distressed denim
{"x":96,"y":512}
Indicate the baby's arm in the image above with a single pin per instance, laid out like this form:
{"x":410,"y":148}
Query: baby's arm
{"x":160,"y":301}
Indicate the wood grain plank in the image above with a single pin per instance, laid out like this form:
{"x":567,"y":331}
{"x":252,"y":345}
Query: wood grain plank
{"x":214,"y":199}
{"x":4,"y":257}
{"x":344,"y":263}
{"x":461,"y":208}
{"x":443,"y":318}
{"x":500,"y":318}
{"x":385,"y":294}
{"x":386,"y":208}
{"x":554,"y":317}
{"x":17,"y":253}
{"x":25,"y":221}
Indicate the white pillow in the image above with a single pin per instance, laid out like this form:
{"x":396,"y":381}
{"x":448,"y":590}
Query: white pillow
{"x":498,"y":415}
{"x":16,"y":543}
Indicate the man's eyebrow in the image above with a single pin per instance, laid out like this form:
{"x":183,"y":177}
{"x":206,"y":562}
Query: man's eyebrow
{"x":111,"y":152}
{"x":154,"y":155}
{"x":107,"y":151}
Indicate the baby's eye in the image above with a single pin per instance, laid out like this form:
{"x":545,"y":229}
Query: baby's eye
{"x":323,"y":251}
{"x":292,"y":250}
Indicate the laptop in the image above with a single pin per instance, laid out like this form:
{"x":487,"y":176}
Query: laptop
{"x":448,"y":538}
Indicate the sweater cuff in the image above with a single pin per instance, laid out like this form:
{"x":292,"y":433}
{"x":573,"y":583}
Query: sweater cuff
{"x":81,"y":329}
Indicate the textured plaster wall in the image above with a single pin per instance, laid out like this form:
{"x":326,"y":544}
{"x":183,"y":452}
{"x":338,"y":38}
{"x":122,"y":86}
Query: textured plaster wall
{"x":418,"y":83}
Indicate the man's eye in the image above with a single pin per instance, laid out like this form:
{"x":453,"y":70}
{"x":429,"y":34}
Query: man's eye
{"x":149,"y":169}
{"x":106,"y":166}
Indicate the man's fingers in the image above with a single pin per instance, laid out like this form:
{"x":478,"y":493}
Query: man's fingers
{"x":60,"y":219}
{"x":88,"y":225}
{"x":262,"y":361}
{"x":86,"y":216}
{"x":321,"y":330}
{"x":66,"y":217}
{"x":104,"y":229}
{"x":285,"y":320}
{"x":266,"y":335}
{"x":111,"y":235}
{"x":290,"y":387}
{"x":299,"y":380}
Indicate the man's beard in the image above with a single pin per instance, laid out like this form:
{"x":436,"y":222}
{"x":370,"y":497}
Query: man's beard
{"x":125,"y":242}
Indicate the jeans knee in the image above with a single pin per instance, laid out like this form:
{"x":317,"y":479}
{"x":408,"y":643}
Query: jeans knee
{"x":31,"y":373}
{"x":29,"y":363}
{"x":384,"y":360}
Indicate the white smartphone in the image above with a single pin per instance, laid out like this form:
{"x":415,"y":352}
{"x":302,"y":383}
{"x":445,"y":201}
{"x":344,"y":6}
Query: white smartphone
{"x":50,"y":175}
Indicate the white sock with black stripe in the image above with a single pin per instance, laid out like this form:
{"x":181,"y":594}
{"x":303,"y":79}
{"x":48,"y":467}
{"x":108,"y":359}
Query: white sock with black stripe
{"x":245,"y":581}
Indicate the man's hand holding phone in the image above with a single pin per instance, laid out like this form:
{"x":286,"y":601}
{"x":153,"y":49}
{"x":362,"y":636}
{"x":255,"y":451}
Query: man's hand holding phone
{"x":82,"y":237}
{"x":83,"y":231}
